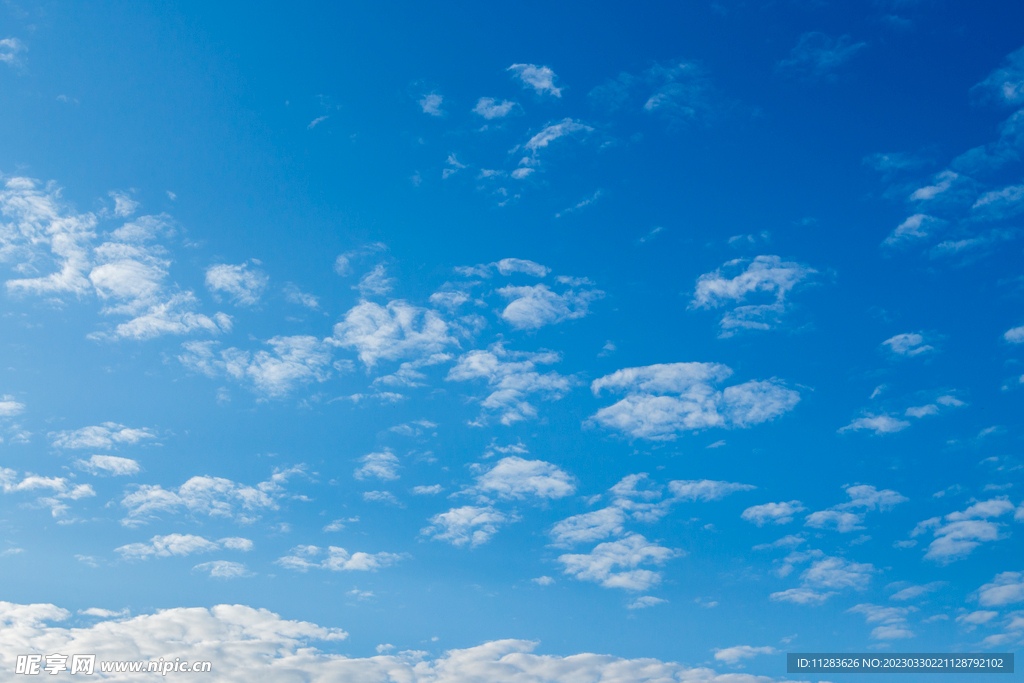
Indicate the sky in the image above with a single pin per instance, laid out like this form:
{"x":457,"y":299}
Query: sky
{"x":591,"y":341}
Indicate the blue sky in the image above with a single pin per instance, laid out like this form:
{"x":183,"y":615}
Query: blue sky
{"x":690,"y":333}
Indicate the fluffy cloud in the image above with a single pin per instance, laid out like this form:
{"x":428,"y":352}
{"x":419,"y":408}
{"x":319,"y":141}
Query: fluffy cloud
{"x":59,"y":489}
{"x":375,"y":283}
{"x":817,"y":56}
{"x":249,"y":644}
{"x":732,"y":655}
{"x":775,"y":513}
{"x":106,"y":436}
{"x":242,"y":285}
{"x":1006,"y":83}
{"x":705,"y":490}
{"x":513,"y":378}
{"x":467,"y":524}
{"x":490,"y":108}
{"x":222,"y":569}
{"x":615,"y":564}
{"x":863,"y":498}
{"x":959,"y":533}
{"x":824,"y":578}
{"x":213,"y":496}
{"x":10,"y":49}
{"x":913,"y":592}
{"x":540,"y":78}
{"x":109,"y":464}
{"x":879,"y":424}
{"x":916,"y":227}
{"x":9,"y":407}
{"x":306,"y":557}
{"x":431,"y":104}
{"x":765,"y":275}
{"x":908,"y":344}
{"x":666,"y":399}
{"x":180,"y":545}
{"x":893,"y":620}
{"x":391,"y":332}
{"x":645,"y":601}
{"x":383,"y":466}
{"x":549,"y":134}
{"x":506,"y":266}
{"x":293,"y":361}
{"x":534,"y":307}
{"x":514,"y":478}
{"x":1006,"y":588}
{"x":127,"y":273}
{"x":589,"y":526}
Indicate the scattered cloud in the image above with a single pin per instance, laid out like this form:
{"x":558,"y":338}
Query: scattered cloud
{"x":105,"y":436}
{"x":533,"y":307}
{"x":733,"y":655}
{"x":243,"y":285}
{"x":513,"y":378}
{"x":306,"y":557}
{"x":383,"y":466}
{"x":817,"y":56}
{"x":293,"y":361}
{"x":540,"y":78}
{"x":774,"y":513}
{"x":431,"y":104}
{"x":879,"y":424}
{"x":615,"y":564}
{"x":180,"y":545}
{"x":514,"y":478}
{"x":959,"y":533}
{"x":1006,"y":588}
{"x":490,"y":108}
{"x":467,"y":524}
{"x":11,"y":50}
{"x":665,"y":400}
{"x":764,"y":275}
{"x":391,"y":332}
{"x":109,"y":464}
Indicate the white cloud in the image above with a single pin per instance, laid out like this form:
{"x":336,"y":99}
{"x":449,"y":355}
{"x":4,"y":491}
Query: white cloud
{"x":615,"y":564}
{"x":534,"y":307}
{"x":514,"y":478}
{"x":775,"y":513}
{"x":879,"y":424}
{"x":9,"y":407}
{"x":109,"y":464}
{"x":507,"y":266}
{"x":242,"y":284}
{"x":467,"y":524}
{"x":913,"y":592}
{"x":589,"y":526}
{"x":213,"y":496}
{"x":543,"y":580}
{"x":297,"y":296}
{"x":837,"y":573}
{"x":10,"y":49}
{"x":790,"y":541}
{"x":862,"y":496}
{"x":489,"y":108}
{"x":294,"y":361}
{"x":551,"y":133}
{"x":391,"y":332}
{"x":105,"y":436}
{"x":645,"y":601}
{"x":959,"y":533}
{"x":383,"y":466}
{"x":306,"y":557}
{"x":180,"y":545}
{"x":801,"y":596}
{"x":1000,"y":204}
{"x":343,"y":263}
{"x":512,"y":377}
{"x":1015,"y":335}
{"x":318,"y":120}
{"x":705,"y":490}
{"x":767,"y":275}
{"x":907,"y":344}
{"x":977,"y":618}
{"x":583,"y":203}
{"x":732,"y":655}
{"x":540,"y":78}
{"x":385,"y":497}
{"x":222,"y":569}
{"x":817,"y":55}
{"x":431,"y":104}
{"x":1007,"y":82}
{"x":59,"y":490}
{"x":1006,"y":588}
{"x":431,"y":490}
{"x":250,"y":644}
{"x":893,"y":620}
{"x":916,"y":227}
{"x":124,"y":205}
{"x":944,"y":181}
{"x":692,"y":402}
{"x":375,"y":283}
